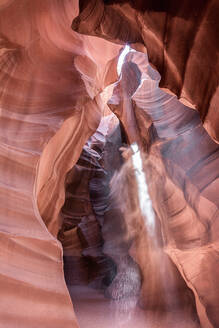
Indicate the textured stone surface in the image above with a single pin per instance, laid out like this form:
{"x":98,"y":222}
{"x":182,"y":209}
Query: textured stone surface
{"x":181,"y":40}
{"x":182,"y":173}
{"x":81,"y":232}
{"x":50,"y":105}
{"x":57,"y":88}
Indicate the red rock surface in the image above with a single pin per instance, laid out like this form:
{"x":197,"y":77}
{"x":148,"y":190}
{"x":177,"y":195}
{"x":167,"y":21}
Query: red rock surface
{"x":181,"y":39}
{"x":57,"y":88}
{"x":50,"y":100}
{"x":81,"y":232}
{"x":182,"y":192}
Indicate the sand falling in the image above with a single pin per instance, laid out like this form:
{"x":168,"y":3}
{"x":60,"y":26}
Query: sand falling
{"x":148,"y":290}
{"x":158,"y":296}
{"x":109,"y":164}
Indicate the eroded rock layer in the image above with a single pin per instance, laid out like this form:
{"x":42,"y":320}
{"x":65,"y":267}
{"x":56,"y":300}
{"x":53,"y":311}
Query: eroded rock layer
{"x":56,"y":89}
{"x":50,"y":105}
{"x":181,"y":171}
{"x":83,"y":219}
{"x":181,"y":39}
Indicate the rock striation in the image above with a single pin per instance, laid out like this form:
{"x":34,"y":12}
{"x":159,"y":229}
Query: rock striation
{"x":68,"y":185}
{"x":50,"y":102}
{"x":178,"y":157}
{"x":181,"y":39}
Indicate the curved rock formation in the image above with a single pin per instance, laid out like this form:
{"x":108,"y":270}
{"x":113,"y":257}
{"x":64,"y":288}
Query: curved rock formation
{"x":83,"y":211}
{"x":181,"y":39}
{"x":50,"y":104}
{"x":180,"y":153}
{"x":56,"y":87}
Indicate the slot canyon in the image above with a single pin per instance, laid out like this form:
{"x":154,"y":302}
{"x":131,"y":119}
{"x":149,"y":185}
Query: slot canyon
{"x":109,"y":162}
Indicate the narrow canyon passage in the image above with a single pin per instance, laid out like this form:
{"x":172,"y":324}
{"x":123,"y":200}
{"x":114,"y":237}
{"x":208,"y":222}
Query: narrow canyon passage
{"x":125,"y":205}
{"x":103,"y":280}
{"x":109,"y":164}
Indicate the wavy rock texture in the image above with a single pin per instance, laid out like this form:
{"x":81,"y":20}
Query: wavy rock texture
{"x":50,"y":104}
{"x":181,"y":39}
{"x":55,"y":85}
{"x":182,"y":173}
{"x":81,"y":233}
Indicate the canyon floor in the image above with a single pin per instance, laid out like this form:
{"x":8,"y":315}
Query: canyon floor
{"x":93,"y":310}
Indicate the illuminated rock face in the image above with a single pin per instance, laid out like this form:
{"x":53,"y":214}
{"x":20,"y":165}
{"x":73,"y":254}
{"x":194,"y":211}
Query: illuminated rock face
{"x":181,"y":40}
{"x":50,"y":100}
{"x":56,"y":86}
{"x":182,"y":192}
